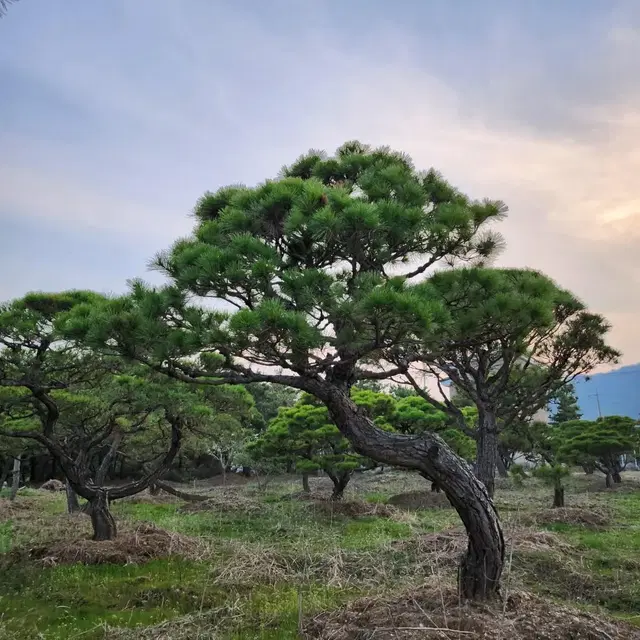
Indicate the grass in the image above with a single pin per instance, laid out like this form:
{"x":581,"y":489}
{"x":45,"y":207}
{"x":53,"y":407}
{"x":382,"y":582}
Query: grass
{"x":262,"y":570}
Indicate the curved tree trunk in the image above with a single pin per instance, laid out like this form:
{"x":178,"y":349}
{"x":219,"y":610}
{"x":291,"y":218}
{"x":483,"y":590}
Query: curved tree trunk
{"x":481,"y":567}
{"x":608,"y":480}
{"x":305,"y":483}
{"x":487,"y":456}
{"x":73,"y":506}
{"x":104,"y":526}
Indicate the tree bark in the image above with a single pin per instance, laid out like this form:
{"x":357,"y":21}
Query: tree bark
{"x":558,"y":496}
{"x":189,"y":497}
{"x":104,"y":526}
{"x":589,"y":469}
{"x":73,"y":506}
{"x":340,"y":482}
{"x":503,"y":472}
{"x":103,"y":469}
{"x":487,"y":456}
{"x":481,"y":567}
{"x":608,"y":481}
{"x":435,"y":487}
{"x":15,"y":483}
{"x":6,"y":471}
{"x":616,"y":477}
{"x":305,"y":483}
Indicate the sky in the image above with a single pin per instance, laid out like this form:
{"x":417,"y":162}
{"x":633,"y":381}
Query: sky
{"x":115,"y":116}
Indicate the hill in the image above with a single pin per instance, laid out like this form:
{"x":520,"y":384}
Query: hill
{"x":617,"y":390}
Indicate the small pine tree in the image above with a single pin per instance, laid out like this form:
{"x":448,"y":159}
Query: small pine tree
{"x":566,"y":406}
{"x":553,"y":475}
{"x":518,"y":474}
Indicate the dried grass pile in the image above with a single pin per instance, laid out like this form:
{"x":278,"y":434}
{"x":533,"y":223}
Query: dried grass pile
{"x":353,"y":508}
{"x":442,"y":550}
{"x":225,"y":501}
{"x":434,"y":612}
{"x":137,"y":546}
{"x":52,"y":485}
{"x":591,"y":517}
{"x":414,"y":500}
{"x":11,"y":509}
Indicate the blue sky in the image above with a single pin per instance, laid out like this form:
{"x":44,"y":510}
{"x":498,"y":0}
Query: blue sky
{"x":116,"y":115}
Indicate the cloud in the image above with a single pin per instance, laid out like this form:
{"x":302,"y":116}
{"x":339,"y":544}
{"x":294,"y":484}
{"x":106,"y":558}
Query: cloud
{"x":52,"y":198}
{"x":191,"y":100}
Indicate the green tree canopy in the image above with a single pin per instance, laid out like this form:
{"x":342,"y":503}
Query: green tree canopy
{"x":321,"y":265}
{"x":602,"y":441}
{"x":75,"y":402}
{"x":514,"y":338}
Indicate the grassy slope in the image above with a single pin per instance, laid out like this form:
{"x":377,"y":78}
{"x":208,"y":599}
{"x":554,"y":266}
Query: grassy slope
{"x":267,"y":557}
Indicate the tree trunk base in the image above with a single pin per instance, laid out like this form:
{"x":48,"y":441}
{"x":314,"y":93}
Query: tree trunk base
{"x":477,"y":575}
{"x":558,"y":497}
{"x":617,"y":478}
{"x":104,"y":526}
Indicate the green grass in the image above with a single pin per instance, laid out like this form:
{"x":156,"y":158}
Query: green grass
{"x":263,"y":569}
{"x":6,"y":536}
{"x":65,"y":599}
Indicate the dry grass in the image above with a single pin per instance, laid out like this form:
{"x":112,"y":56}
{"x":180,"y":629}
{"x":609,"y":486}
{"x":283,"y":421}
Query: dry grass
{"x":53,"y":485}
{"x":592,"y":517}
{"x":264,"y":553}
{"x":434,"y":552}
{"x":434,"y":612}
{"x":225,"y":501}
{"x":132,"y":546}
{"x":420,"y":500}
{"x":18,"y":508}
{"x":353,"y":509}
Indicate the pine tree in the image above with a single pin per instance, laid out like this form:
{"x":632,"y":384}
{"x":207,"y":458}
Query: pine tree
{"x":566,"y":406}
{"x":321,"y":265}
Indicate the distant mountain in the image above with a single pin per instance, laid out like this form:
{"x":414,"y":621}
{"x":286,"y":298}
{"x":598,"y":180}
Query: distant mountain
{"x":617,"y":390}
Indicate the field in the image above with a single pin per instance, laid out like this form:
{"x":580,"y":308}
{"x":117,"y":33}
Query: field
{"x":272,"y":563}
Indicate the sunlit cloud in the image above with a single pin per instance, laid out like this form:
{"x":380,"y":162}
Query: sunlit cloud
{"x":122,"y":138}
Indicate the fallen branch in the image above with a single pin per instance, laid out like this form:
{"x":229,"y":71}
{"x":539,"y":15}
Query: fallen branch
{"x":189,"y":497}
